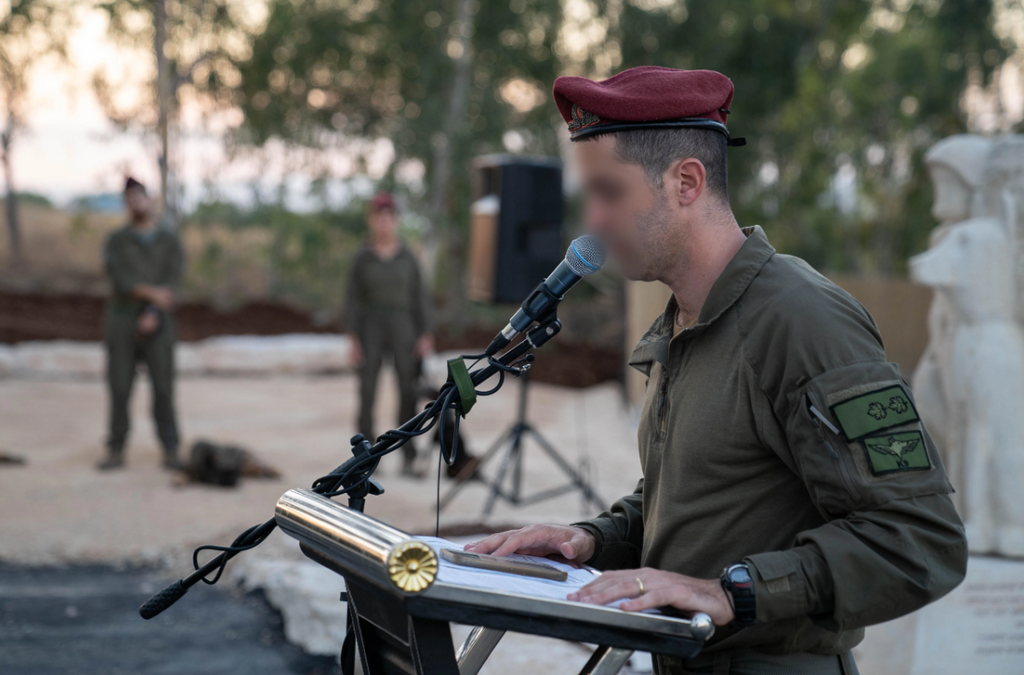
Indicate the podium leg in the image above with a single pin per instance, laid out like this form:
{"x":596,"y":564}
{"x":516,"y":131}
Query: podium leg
{"x":606,"y":661}
{"x":477,"y":648}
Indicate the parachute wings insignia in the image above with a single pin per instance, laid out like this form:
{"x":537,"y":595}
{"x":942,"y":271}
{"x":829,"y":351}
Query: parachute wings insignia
{"x":903,"y":451}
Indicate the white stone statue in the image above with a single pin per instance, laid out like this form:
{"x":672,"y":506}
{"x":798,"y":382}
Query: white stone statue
{"x":970,"y":385}
{"x":957,"y":167}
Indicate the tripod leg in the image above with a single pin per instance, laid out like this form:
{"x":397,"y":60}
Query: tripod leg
{"x":496,"y":485}
{"x":456,"y":488}
{"x":584,"y":486}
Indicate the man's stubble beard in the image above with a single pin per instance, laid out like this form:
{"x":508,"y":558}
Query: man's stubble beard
{"x":659,"y":244}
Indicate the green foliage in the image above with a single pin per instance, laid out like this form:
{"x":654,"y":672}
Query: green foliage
{"x":838,"y":98}
{"x":373,"y":69}
{"x":827,"y":87}
{"x":306,"y":255}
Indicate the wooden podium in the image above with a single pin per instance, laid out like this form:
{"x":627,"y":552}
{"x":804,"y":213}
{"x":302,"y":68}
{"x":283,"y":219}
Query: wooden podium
{"x":400,"y":612}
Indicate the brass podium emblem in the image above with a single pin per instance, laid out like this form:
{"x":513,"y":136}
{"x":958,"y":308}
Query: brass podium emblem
{"x":412,"y":566}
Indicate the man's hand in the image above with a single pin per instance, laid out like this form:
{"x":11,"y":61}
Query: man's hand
{"x":147,"y":323}
{"x":660,"y":589}
{"x":356,"y":350}
{"x":424,"y":345}
{"x":161,"y":296}
{"x":572,"y":543}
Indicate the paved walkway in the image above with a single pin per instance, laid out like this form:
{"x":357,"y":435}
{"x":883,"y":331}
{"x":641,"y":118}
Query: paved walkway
{"x":57,"y":509}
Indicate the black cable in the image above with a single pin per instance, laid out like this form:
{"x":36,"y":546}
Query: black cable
{"x":437,"y":510}
{"x":339,"y":482}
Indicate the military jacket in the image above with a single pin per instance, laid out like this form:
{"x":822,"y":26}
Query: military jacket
{"x":131,"y":259}
{"x":775,"y":432}
{"x":377,"y":286}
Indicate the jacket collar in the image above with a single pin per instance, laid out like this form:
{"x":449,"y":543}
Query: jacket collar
{"x":727,"y":289}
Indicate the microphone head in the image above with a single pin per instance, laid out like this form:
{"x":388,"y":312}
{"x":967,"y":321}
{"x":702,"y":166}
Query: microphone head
{"x":585,"y":255}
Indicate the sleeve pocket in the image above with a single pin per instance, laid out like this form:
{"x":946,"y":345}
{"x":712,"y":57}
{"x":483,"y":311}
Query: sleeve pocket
{"x":858,"y":440}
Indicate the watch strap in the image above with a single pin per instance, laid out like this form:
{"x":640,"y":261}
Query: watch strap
{"x":744,"y":602}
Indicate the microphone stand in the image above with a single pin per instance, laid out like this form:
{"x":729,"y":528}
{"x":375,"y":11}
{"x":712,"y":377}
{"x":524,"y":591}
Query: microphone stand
{"x":354,"y":477}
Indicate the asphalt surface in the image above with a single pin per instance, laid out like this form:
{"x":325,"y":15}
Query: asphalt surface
{"x":84,"y":620}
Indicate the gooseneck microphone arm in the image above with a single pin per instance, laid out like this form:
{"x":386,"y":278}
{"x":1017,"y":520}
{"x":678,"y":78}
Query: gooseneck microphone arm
{"x":354,"y":477}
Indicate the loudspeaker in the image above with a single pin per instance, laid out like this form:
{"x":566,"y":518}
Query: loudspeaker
{"x":516,"y":229}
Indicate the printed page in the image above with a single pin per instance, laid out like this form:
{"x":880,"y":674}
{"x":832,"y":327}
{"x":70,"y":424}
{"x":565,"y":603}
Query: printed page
{"x":450,"y":573}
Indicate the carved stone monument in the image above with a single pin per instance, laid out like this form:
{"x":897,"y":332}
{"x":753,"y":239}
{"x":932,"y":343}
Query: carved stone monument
{"x":970,"y":384}
{"x":969,"y":387}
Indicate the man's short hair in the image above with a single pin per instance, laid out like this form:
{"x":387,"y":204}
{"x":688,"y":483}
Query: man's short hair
{"x":132,"y":184}
{"x":655,"y":150}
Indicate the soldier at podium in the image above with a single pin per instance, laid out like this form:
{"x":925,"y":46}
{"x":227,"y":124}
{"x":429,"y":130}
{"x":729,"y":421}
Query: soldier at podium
{"x":789,"y":489}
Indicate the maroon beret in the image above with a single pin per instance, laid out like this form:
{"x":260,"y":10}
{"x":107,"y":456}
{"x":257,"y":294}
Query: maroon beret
{"x":381,"y":201}
{"x":648,"y":97}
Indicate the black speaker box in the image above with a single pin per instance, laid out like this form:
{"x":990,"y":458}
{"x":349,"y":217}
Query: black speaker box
{"x":516,"y":234}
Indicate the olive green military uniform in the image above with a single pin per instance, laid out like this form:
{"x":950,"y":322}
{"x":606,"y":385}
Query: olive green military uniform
{"x":841,"y":512}
{"x":132,"y":258}
{"x":388,"y":308}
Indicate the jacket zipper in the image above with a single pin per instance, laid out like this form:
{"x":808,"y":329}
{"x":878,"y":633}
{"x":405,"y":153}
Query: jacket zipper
{"x":662,"y":420}
{"x":818,"y":418}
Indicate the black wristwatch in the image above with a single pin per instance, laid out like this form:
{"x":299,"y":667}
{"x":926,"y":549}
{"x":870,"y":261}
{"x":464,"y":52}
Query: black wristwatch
{"x":739,"y":586}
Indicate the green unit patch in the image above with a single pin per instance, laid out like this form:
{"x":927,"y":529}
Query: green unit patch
{"x":874,"y":411}
{"x":903,"y":451}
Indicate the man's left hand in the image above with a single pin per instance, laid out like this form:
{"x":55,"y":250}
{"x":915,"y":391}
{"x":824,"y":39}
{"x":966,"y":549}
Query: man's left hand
{"x":660,"y":589}
{"x":424,"y":345}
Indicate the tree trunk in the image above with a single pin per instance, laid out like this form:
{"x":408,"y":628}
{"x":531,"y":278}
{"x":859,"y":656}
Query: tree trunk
{"x":442,"y":213}
{"x":163,"y":97}
{"x":11,"y":200}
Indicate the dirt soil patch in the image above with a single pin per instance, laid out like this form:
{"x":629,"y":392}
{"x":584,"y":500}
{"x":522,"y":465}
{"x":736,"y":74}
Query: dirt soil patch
{"x":69,"y":316}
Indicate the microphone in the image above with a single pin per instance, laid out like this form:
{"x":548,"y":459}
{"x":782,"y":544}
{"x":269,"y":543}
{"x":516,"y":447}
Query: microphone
{"x":584,"y":256}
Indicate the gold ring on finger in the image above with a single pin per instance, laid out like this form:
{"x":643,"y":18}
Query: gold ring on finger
{"x":641,"y":585}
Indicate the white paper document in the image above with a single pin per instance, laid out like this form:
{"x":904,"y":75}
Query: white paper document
{"x":450,"y":573}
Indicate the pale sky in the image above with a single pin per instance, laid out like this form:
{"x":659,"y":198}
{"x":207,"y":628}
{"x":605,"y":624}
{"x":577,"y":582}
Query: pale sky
{"x":70,"y":148}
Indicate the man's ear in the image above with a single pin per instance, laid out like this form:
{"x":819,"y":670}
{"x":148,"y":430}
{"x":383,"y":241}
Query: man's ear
{"x":686,"y":180}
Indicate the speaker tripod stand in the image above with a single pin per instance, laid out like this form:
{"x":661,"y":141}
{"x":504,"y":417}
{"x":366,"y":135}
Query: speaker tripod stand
{"x":512,"y":461}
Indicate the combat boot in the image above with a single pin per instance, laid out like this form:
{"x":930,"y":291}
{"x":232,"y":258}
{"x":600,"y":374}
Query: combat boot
{"x":171,"y":461}
{"x":114,"y":460}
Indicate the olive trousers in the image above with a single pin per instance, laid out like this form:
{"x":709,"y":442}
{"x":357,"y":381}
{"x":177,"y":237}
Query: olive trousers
{"x":125,"y":350}
{"x":388,"y":334}
{"x":751,"y":662}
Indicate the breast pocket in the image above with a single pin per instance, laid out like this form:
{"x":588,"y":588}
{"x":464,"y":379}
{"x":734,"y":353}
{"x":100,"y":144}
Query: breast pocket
{"x":859,"y":441}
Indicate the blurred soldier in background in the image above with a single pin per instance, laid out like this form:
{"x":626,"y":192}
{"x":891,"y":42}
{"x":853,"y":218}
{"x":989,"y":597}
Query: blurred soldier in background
{"x":387,"y":312}
{"x":144,"y":263}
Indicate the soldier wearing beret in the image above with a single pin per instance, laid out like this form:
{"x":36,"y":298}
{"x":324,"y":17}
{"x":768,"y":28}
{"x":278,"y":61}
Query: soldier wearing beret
{"x":143,"y":262}
{"x":387,"y":314}
{"x":789,"y":489}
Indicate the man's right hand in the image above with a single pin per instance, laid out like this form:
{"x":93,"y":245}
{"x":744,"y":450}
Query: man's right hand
{"x":161,"y":296}
{"x":571,"y":543}
{"x":355,"y":350}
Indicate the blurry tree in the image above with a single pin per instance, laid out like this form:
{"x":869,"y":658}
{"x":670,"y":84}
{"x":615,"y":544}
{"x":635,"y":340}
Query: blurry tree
{"x":443,"y":81}
{"x":839,"y":100}
{"x":30,"y":30}
{"x":193,"y":43}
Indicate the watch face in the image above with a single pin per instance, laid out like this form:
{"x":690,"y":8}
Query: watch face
{"x":739,"y":574}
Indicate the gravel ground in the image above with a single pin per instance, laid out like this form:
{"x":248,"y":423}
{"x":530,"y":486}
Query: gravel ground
{"x":83,"y":620}
{"x":58,"y":510}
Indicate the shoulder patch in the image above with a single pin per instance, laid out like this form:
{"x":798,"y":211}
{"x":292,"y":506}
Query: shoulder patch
{"x":901,"y":451}
{"x":874,"y":411}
